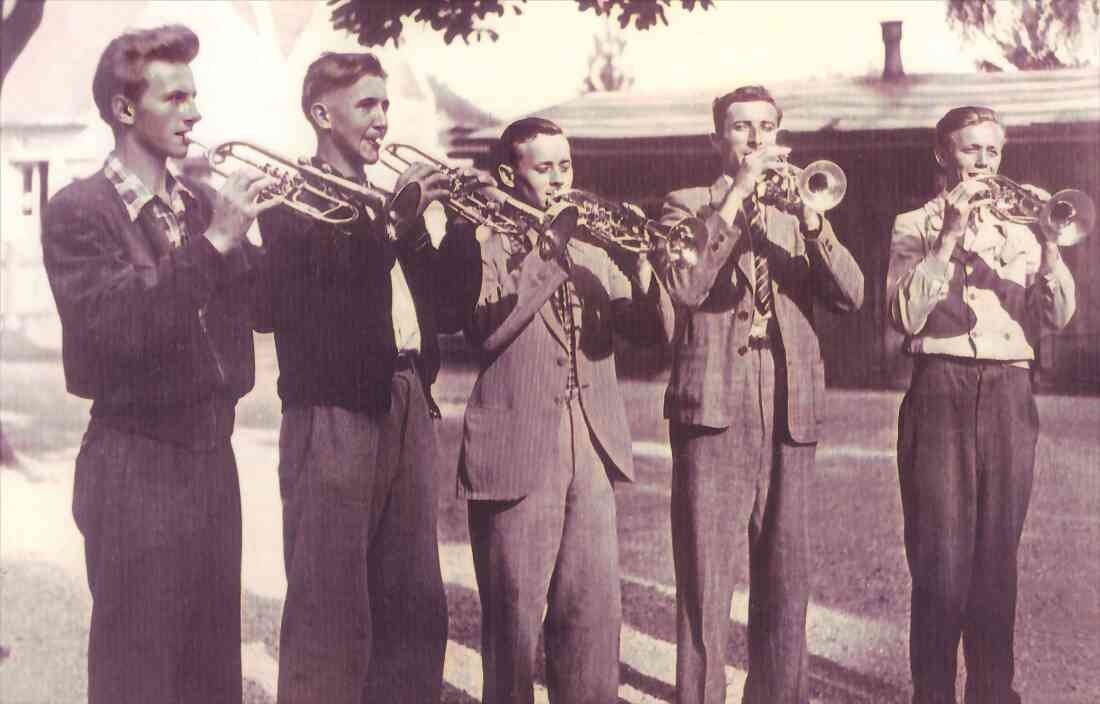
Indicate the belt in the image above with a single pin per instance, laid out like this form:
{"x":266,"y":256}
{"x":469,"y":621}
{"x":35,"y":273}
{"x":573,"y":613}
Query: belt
{"x":760,"y":343}
{"x":406,"y":361}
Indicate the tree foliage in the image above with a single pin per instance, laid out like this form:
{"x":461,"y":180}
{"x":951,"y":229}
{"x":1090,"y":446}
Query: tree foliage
{"x":16,"y":30}
{"x":1030,"y":34}
{"x":377,"y":22}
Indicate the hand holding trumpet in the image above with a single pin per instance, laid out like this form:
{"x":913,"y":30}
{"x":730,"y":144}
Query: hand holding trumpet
{"x":237,"y":204}
{"x":754,"y":166}
{"x":961,"y":206}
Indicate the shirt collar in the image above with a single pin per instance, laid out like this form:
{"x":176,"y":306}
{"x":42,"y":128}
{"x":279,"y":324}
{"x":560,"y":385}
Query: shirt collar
{"x":135,"y":194}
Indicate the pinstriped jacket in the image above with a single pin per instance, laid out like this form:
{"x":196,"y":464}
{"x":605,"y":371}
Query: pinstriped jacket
{"x":714,"y":309}
{"x":510,"y":433}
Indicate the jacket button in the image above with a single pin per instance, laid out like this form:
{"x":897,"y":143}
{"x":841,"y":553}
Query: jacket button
{"x":562,"y":361}
{"x":742,"y":350}
{"x":742,"y":315}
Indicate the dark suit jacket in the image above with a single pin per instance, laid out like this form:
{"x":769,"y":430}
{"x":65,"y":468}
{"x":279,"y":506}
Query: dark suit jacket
{"x":510,"y":430}
{"x":158,"y":337}
{"x":714,"y":306}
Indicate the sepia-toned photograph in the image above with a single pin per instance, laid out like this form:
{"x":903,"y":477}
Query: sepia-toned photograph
{"x":549,"y":352}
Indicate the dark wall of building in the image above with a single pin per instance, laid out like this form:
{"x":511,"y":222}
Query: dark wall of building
{"x":888,"y":173}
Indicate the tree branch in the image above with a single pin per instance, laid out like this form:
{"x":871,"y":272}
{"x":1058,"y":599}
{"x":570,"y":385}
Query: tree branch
{"x":16,"y":31}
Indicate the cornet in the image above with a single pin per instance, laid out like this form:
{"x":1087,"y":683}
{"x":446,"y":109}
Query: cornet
{"x":821,"y":186}
{"x":615,"y":226}
{"x":336,"y":200}
{"x":1066,"y":218}
{"x":489,"y":206}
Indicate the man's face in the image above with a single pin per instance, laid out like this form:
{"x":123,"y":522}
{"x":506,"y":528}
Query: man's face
{"x":975,"y":150}
{"x":544,"y":168}
{"x":166,"y":110}
{"x":748,"y":127}
{"x":357,"y":118}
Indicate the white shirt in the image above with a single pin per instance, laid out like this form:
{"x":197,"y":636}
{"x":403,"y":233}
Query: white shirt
{"x":987,"y":302}
{"x":406,"y":329}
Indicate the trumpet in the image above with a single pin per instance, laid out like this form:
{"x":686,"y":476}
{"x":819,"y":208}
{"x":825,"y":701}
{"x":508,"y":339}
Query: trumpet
{"x":1066,"y":218}
{"x":335,"y":200}
{"x":821,"y":186}
{"x":618,"y":226}
{"x":472,"y":200}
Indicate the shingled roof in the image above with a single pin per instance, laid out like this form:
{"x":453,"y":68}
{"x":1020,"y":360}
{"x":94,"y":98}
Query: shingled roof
{"x":1029,"y":103}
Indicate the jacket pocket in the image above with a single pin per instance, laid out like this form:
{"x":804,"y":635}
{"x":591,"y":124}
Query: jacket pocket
{"x":506,"y":451}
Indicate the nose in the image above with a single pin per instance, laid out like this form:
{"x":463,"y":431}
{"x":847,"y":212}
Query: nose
{"x":379,"y":120}
{"x":981,"y":160}
{"x":193,"y":115}
{"x":557,"y":178}
{"x":753,"y":135}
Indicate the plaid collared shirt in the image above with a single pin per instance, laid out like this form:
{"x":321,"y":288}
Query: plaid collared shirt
{"x":136,"y":195}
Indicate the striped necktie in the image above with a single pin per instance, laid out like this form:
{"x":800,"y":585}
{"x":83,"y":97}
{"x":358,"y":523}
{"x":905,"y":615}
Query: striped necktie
{"x":763,"y":292}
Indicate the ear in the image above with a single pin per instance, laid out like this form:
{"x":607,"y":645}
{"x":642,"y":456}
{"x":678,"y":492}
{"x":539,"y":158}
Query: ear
{"x":506,"y":175}
{"x":320,"y":116}
{"x":940,"y":158}
{"x":716,"y":142}
{"x":122,"y":109}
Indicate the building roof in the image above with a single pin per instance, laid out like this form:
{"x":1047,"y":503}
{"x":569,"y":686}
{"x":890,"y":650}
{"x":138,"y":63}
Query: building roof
{"x":1025,"y":100}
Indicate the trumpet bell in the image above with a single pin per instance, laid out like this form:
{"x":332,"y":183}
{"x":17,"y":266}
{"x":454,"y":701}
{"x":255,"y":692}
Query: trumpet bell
{"x":685,"y":239}
{"x":822,"y":185}
{"x":406,"y":202}
{"x":1067,"y":217}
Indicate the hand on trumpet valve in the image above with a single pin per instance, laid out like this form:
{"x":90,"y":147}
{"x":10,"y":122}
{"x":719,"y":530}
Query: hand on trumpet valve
{"x":468,"y":179}
{"x":238,"y":203}
{"x":771,"y":157}
{"x":962,"y":204}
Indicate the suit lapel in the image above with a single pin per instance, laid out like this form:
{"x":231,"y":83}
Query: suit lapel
{"x":553,"y":324}
{"x":557,"y":331}
{"x":741,"y":250}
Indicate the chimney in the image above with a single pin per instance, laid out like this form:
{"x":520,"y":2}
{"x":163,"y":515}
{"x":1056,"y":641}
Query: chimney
{"x":892,"y":69}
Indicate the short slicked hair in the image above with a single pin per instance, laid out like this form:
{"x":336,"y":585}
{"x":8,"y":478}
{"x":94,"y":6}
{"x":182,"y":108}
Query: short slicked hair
{"x":520,"y":131}
{"x":744,"y":94}
{"x":336,"y":70}
{"x":123,"y":62}
{"x":957,"y":118}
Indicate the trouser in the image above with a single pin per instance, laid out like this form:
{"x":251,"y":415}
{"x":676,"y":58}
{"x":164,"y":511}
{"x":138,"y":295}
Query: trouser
{"x":749,"y":473}
{"x":162,"y":540}
{"x":365,"y":618}
{"x":556,"y":550}
{"x":966,"y":456}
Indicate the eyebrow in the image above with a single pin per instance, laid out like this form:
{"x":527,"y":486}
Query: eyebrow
{"x":372,"y":101}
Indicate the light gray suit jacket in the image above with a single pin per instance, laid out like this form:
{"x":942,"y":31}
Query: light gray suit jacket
{"x":714,"y":309}
{"x":510,"y":432}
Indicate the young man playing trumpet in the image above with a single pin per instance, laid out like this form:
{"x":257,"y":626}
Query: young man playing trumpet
{"x":355,"y":310}
{"x":149,"y":271}
{"x":744,"y":404}
{"x":546,"y":438}
{"x":971,"y":293}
